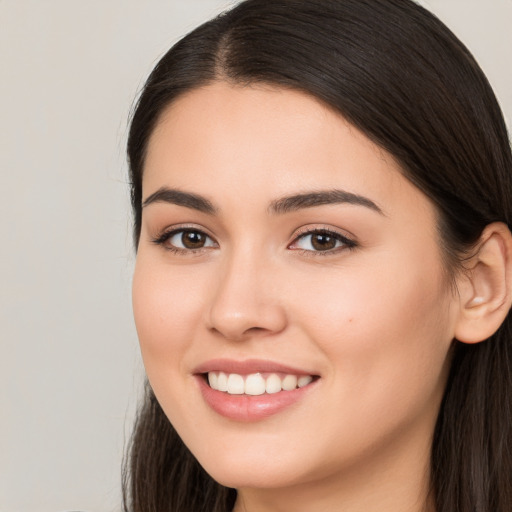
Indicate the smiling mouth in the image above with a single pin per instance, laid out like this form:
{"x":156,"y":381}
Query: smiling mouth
{"x":256,"y":384}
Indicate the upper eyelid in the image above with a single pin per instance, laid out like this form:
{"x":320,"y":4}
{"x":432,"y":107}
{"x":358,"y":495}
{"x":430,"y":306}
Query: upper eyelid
{"x":308,"y":230}
{"x":164,"y":235}
{"x":349,"y":242}
{"x":184,"y":227}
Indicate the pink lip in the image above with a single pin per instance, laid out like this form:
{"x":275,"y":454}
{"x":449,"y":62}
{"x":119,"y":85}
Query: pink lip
{"x":247,"y":367}
{"x":245,"y":408}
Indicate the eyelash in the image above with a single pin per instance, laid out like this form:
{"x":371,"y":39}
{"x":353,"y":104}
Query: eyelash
{"x":167,"y":235}
{"x":347,"y":244}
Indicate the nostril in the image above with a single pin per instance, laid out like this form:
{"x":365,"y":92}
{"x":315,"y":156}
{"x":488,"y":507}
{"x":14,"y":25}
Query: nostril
{"x":256,"y":329}
{"x":241,"y":334}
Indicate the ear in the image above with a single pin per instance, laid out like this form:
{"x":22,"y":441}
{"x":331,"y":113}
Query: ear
{"x":485,"y":288}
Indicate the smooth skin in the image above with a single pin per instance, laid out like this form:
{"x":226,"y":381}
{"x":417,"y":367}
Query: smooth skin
{"x":353,"y":293}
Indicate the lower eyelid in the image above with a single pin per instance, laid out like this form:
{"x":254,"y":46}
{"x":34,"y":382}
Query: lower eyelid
{"x":171,"y":231}
{"x":344,"y":240}
{"x":178,"y":232}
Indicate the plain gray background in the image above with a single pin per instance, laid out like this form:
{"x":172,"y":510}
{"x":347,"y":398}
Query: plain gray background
{"x":69,"y":365}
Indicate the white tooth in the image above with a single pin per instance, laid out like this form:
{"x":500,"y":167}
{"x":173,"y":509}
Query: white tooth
{"x":222,"y":382}
{"x":273,"y":384}
{"x":304,"y":380}
{"x":235,"y":384}
{"x":254,"y":384}
{"x":212,"y":380}
{"x":289,"y":383}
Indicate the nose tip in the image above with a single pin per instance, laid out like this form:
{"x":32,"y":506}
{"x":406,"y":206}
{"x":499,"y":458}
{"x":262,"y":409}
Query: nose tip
{"x":243,"y":305}
{"x":239,"y":320}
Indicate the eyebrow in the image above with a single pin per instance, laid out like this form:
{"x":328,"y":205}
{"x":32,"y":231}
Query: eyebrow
{"x":320,"y":198}
{"x":278,"y":206}
{"x":180,"y":198}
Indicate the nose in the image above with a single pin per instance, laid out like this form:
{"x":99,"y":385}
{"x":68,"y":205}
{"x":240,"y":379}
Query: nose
{"x":246,"y":300}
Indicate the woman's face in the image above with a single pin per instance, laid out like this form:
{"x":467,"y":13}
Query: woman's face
{"x":281,"y":248}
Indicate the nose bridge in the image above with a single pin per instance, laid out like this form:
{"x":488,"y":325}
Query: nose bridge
{"x":245,"y":300}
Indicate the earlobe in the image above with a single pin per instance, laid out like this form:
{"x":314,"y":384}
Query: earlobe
{"x":485,"y":289}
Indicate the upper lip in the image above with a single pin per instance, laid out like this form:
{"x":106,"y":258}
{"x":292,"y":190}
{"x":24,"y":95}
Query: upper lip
{"x":248,"y":367}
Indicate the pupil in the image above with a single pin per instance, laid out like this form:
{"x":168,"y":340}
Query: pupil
{"x":192,"y":240}
{"x":323,"y":242}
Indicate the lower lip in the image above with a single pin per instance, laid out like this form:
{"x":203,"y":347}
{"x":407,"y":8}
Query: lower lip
{"x":249,"y":408}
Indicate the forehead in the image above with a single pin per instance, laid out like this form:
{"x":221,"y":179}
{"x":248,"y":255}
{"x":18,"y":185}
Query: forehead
{"x":270,"y":141}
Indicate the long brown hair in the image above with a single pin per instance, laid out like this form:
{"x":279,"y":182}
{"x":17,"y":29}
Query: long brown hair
{"x":399,"y":75}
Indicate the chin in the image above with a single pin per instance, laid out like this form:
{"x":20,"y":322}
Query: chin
{"x":252,"y":464}
{"x":245,"y":475}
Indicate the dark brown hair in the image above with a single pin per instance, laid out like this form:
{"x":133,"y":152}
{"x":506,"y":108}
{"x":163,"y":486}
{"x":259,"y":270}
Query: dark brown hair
{"x":399,"y":75}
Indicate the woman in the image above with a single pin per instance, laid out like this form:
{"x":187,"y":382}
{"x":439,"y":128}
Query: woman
{"x":322,"y":194}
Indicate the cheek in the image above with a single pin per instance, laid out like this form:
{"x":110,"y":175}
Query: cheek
{"x":386,"y":333}
{"x":167,"y":309}
{"x":381,"y":301}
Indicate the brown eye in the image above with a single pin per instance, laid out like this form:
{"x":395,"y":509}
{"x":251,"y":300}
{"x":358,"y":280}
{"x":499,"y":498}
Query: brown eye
{"x":323,"y":242}
{"x":193,"y":239}
{"x":186,"y":240}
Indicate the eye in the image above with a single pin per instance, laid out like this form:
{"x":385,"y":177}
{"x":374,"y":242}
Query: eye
{"x":322,"y":240}
{"x":182,"y":240}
